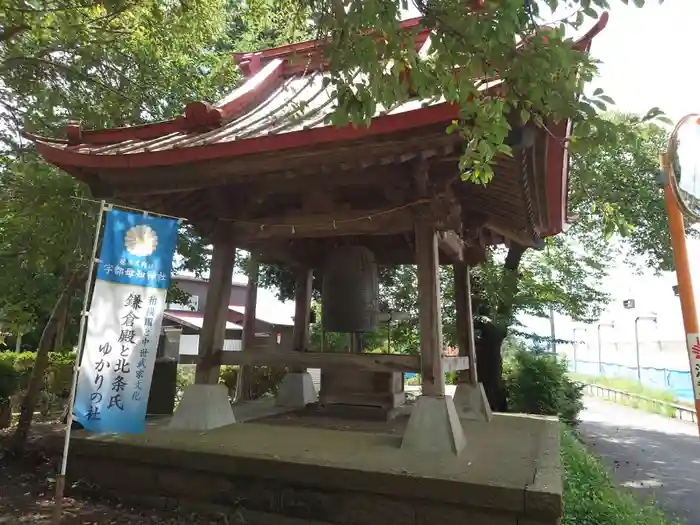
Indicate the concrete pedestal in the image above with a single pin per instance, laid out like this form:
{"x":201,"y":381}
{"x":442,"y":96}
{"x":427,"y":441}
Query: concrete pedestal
{"x":203,"y":407}
{"x":296,"y":390}
{"x":471,"y":402}
{"x":434,"y":427}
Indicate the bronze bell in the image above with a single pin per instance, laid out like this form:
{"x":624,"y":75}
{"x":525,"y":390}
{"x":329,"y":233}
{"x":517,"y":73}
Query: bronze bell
{"x":349,"y":294}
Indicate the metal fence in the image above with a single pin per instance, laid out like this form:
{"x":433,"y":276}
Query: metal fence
{"x":678,"y":382}
{"x":678,"y":411}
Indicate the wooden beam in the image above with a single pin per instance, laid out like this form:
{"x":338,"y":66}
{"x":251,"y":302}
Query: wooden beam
{"x":365,"y":362}
{"x":368,"y":362}
{"x":244,"y":381}
{"x":213,"y":330}
{"x":302,"y":312}
{"x":451,"y":245}
{"x":165,"y":179}
{"x":455,"y":364}
{"x":524,"y":238}
{"x":432,"y":376}
{"x":464,"y":320}
{"x":357,"y":222}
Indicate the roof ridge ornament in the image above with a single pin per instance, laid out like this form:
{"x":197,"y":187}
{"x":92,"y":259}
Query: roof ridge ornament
{"x":248,"y":63}
{"x":200,"y":114}
{"x":74,"y":132}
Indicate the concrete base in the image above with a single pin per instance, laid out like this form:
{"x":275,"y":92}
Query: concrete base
{"x":471,"y":402}
{"x":344,"y":473}
{"x":296,"y":391}
{"x":203,"y":407}
{"x":434,"y":427}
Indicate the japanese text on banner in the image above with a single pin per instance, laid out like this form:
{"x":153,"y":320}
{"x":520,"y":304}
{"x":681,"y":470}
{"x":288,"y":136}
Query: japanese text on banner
{"x":694,"y":356}
{"x":124,"y":325}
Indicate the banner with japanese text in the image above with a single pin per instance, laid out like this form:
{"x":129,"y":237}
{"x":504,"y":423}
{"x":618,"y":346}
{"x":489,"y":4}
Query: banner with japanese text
{"x":125,"y":316}
{"x":694,"y":357}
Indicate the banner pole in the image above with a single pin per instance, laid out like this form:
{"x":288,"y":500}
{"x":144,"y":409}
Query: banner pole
{"x":61,"y":479}
{"x":676,"y":227}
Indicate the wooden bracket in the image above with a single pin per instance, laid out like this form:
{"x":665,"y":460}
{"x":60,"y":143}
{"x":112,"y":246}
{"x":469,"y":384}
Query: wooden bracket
{"x":451,"y":245}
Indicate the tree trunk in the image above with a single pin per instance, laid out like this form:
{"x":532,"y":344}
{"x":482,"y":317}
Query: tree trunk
{"x":41,"y":362}
{"x":489,"y":360}
{"x":61,"y":327}
{"x":489,"y":365}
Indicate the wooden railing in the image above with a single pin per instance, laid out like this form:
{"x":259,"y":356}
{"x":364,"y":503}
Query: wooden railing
{"x":679,"y":411}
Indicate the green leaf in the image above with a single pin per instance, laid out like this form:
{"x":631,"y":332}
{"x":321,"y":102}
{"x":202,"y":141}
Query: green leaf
{"x":524,"y":116}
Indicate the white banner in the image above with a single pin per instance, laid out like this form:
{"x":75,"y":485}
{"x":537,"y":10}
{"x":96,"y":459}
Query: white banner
{"x":123,"y":327}
{"x":694,"y":359}
{"x":120,"y":352}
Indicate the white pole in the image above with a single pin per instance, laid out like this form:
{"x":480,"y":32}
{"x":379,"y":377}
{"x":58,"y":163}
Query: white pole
{"x":61,"y":480}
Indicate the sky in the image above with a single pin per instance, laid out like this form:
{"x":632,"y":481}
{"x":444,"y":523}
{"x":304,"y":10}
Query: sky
{"x":647,"y":59}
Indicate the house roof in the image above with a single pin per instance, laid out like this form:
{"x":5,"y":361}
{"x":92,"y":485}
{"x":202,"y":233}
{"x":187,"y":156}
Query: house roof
{"x":194,"y":320}
{"x":273,"y":316}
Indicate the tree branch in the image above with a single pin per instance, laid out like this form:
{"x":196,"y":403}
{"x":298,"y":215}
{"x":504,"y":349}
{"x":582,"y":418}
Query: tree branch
{"x":7,"y":33}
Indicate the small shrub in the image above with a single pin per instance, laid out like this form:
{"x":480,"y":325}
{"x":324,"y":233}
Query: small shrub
{"x":9,"y":384}
{"x":229,"y":377}
{"x":185,"y":377}
{"x":9,"y":380}
{"x":59,"y":373}
{"x":266,"y":380}
{"x":537,"y":383}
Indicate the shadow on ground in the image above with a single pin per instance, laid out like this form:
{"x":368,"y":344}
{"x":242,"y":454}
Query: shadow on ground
{"x":655,"y":457}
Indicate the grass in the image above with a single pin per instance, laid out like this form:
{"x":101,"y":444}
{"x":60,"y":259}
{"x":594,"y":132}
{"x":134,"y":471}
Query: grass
{"x":591,"y":497}
{"x":633,"y":387}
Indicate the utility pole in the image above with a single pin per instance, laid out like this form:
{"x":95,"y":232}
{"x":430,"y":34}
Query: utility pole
{"x":552,"y":332}
{"x":679,"y":172}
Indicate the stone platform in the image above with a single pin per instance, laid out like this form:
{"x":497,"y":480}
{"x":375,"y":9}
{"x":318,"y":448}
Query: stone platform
{"x":311,"y":469}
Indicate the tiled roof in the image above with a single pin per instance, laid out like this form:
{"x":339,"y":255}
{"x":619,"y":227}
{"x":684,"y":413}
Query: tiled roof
{"x":278,"y":98}
{"x":298,"y":103}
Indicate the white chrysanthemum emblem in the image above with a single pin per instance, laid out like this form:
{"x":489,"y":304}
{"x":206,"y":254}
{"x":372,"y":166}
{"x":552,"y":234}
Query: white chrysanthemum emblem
{"x":141,"y":240}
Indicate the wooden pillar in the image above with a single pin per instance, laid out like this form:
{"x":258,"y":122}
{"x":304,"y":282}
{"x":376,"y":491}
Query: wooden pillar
{"x":213,"y":332}
{"x":465,"y":320}
{"x":244,"y":382}
{"x":433,"y":377}
{"x":302,"y":312}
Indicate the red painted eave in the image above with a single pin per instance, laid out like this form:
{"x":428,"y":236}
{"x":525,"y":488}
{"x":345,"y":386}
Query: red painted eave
{"x":440,"y":113}
{"x":557,"y":155}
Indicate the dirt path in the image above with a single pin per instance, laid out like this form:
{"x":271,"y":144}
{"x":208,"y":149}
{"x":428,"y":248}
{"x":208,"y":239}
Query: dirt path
{"x":27,"y":488}
{"x":655,"y":456}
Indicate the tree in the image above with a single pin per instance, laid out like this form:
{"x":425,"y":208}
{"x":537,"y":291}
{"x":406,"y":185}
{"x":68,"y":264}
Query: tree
{"x":472,"y":43}
{"x":615,"y":197}
{"x":105,"y":64}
